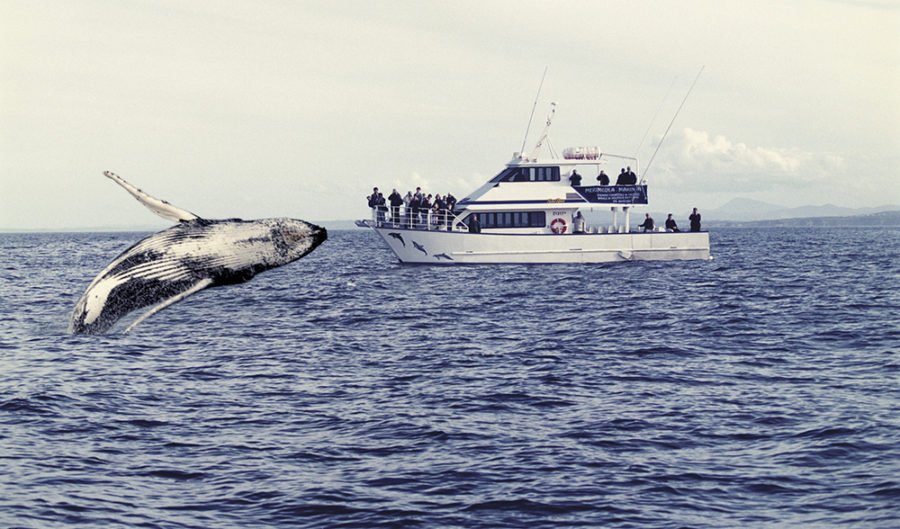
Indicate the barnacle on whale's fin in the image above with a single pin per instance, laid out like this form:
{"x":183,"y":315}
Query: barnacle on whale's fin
{"x":158,"y":206}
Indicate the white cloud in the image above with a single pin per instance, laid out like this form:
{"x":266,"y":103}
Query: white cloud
{"x":723,"y":164}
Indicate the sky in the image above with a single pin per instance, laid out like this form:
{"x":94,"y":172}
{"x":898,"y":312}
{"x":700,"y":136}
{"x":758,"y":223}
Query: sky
{"x":297,"y":109}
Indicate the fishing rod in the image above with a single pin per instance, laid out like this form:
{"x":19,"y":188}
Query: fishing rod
{"x":647,"y":170}
{"x":538,"y":95}
{"x":655,"y":114}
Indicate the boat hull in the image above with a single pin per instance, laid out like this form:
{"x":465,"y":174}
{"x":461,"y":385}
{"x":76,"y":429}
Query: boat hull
{"x":453,"y":248}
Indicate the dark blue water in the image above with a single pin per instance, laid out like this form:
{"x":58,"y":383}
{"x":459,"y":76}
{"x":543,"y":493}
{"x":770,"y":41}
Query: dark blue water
{"x":756,"y":390}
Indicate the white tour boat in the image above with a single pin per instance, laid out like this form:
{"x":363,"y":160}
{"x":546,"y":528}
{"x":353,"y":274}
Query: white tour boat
{"x":528,"y":214}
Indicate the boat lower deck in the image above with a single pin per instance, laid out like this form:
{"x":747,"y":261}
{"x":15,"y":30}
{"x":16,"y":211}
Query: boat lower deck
{"x":448,"y":248}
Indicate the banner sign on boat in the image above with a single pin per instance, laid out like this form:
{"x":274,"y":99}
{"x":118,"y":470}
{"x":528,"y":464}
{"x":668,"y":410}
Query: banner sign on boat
{"x":614,"y":194}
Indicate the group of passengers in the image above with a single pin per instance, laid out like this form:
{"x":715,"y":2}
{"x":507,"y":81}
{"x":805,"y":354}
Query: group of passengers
{"x":578,"y":223}
{"x":626,"y":177}
{"x":416,"y":209}
{"x":671,"y":225}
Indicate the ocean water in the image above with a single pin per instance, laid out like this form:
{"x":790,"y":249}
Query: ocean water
{"x":759,"y":389}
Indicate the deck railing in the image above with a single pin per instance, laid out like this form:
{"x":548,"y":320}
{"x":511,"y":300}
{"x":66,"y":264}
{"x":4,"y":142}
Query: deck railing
{"x":406,"y":218}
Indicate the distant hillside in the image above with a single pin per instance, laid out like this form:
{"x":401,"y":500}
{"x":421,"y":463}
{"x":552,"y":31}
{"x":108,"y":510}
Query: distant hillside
{"x":882,"y":219}
{"x":746,"y":209}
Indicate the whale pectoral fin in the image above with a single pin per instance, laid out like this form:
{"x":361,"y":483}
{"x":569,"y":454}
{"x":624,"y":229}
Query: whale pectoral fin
{"x":160,"y":207}
{"x":200,"y":285}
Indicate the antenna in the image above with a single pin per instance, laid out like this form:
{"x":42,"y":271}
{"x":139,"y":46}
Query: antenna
{"x":525,"y":139}
{"x":647,"y":170}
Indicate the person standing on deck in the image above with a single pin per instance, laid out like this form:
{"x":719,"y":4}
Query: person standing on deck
{"x":416,"y":206}
{"x":381,"y":208}
{"x":442,"y":205}
{"x":396,"y":201}
{"x":578,"y":223}
{"x":451,"y":205}
{"x":575,"y":178}
{"x":407,"y":211}
{"x":695,"y":220}
{"x":603,"y":178}
{"x":373,"y":202}
{"x":474,"y":224}
{"x":424,"y":208}
{"x":648,"y":223}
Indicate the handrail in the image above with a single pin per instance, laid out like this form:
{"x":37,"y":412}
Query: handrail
{"x":424,"y":220}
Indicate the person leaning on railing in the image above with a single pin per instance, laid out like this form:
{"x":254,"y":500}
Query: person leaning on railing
{"x":376,"y":201}
{"x":407,"y":212}
{"x":396,"y":201}
{"x":603,"y":178}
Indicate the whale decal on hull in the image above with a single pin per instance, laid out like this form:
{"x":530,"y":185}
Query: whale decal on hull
{"x":195,"y":254}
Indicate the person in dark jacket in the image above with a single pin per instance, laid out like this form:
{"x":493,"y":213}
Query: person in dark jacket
{"x":373,"y":198}
{"x":373,"y":202}
{"x":396,"y":201}
{"x":622,"y":179}
{"x":575,"y":178}
{"x":424,"y":208}
{"x":381,"y":207}
{"x":670,"y":224}
{"x":451,"y":205}
{"x":416,"y":205}
{"x":695,"y":220}
{"x":648,"y":223}
{"x":632,"y":178}
{"x":474,"y":224}
{"x":440,"y":210}
{"x":603,"y":178}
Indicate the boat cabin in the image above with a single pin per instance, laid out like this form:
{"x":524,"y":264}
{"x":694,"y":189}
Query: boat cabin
{"x":532,"y":196}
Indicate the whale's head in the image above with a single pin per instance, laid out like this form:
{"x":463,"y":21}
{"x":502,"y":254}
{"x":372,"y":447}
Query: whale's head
{"x":295,"y":238}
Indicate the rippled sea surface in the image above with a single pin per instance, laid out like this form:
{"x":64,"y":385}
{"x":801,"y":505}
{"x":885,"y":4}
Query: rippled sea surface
{"x":760,"y":389}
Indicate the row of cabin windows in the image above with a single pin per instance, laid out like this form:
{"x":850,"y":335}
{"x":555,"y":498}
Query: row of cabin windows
{"x":528,"y":174}
{"x":513,"y":219}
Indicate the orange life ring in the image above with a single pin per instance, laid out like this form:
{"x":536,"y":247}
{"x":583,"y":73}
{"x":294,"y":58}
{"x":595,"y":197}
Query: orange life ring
{"x":558,"y":226}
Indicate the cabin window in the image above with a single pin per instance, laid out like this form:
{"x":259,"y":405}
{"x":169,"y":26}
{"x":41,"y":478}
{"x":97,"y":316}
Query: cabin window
{"x":528,"y":174}
{"x":548,"y":174}
{"x":513,"y":219}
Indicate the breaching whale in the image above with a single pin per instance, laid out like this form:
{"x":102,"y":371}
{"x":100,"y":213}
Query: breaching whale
{"x":194,"y":254}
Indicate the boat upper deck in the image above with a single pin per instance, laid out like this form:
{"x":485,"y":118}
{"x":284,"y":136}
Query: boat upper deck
{"x":536,"y":184}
